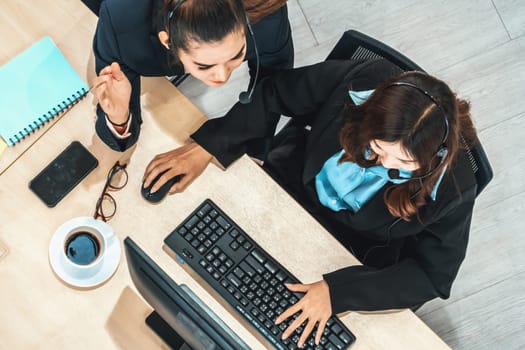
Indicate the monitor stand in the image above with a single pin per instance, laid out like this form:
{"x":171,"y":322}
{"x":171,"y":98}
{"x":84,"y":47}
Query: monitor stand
{"x":165,"y":332}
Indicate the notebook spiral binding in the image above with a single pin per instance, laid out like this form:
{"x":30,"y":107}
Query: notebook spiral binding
{"x":59,"y":109}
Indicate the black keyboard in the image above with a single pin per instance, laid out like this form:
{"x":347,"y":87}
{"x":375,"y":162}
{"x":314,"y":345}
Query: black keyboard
{"x":246,"y":276}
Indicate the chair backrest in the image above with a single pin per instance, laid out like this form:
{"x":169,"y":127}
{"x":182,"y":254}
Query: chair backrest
{"x":356,"y":45}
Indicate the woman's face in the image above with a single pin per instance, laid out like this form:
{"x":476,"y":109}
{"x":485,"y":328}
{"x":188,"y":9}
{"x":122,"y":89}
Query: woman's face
{"x":213,"y":63}
{"x":393,"y":155}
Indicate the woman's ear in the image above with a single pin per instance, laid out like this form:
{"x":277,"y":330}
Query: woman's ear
{"x":164,"y":39}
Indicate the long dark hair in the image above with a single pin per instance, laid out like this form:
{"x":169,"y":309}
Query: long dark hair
{"x":203,"y":21}
{"x":400,"y":113}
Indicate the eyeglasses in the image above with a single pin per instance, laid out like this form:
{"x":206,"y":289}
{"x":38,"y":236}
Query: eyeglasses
{"x":106,"y":204}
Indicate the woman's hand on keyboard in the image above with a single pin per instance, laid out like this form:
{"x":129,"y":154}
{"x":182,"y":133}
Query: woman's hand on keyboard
{"x":314,"y":307}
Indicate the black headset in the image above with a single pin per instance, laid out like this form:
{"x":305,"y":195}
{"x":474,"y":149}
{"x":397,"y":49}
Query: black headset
{"x":170,"y":15}
{"x":245,"y":97}
{"x":441,"y":152}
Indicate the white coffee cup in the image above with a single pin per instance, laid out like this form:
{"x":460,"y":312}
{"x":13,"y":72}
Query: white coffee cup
{"x":82,"y":245}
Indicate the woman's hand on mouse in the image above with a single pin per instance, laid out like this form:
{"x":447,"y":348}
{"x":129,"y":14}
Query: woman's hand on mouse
{"x":314,"y":307}
{"x":189,"y":161}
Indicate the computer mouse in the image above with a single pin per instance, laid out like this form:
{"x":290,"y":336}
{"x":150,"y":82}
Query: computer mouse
{"x":158,"y":195}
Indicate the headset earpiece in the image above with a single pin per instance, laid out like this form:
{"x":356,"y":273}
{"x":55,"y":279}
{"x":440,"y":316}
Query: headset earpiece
{"x":442,"y":152}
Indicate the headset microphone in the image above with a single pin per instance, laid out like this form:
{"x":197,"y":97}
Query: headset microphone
{"x":393,"y":174}
{"x":245,"y":97}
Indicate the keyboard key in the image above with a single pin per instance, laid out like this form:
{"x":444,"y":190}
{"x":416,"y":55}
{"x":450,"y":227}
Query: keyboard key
{"x":247,"y":269}
{"x":221,"y":221}
{"x":191,"y":222}
{"x":281,"y":276}
{"x":336,"y":328}
{"x":336,"y":341}
{"x":204,"y":210}
{"x":238,"y":272}
{"x":234,"y":280}
{"x":345,"y":338}
{"x":259,"y":256}
{"x":271,"y":267}
{"x":255,"y":264}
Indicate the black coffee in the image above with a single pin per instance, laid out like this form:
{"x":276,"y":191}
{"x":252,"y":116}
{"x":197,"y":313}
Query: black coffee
{"x":82,"y":248}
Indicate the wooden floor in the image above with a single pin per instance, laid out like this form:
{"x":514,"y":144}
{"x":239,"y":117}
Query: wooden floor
{"x":478,"y":47}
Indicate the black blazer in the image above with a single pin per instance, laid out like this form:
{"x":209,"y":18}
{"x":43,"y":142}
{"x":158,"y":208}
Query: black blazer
{"x":408,"y":263}
{"x":126,"y":34}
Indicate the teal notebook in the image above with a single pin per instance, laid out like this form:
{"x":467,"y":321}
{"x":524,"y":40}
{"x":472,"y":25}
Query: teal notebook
{"x":35,"y":86}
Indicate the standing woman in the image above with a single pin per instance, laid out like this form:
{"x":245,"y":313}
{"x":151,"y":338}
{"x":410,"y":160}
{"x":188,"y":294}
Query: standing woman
{"x":205,"y":38}
{"x":382,"y":168}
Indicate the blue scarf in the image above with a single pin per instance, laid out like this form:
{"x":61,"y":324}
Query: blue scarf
{"x":346,"y":185}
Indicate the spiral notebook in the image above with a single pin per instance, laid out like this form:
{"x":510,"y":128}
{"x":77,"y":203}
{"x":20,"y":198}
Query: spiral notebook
{"x":36,"y":86}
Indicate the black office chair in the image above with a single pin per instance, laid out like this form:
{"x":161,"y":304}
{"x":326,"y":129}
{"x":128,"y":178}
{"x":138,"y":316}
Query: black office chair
{"x":356,"y":45}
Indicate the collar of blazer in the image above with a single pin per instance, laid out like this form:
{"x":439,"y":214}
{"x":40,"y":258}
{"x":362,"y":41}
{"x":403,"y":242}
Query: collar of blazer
{"x":323,"y":139}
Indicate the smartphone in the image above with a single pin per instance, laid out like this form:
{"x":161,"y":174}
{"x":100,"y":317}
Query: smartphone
{"x":60,"y":176}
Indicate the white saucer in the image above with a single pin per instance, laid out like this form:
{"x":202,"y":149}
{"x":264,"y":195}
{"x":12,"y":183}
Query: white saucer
{"x":110,"y":259}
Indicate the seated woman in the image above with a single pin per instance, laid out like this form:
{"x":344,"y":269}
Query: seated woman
{"x":383,"y":170}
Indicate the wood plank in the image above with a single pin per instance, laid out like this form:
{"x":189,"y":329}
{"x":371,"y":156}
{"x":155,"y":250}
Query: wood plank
{"x":512,"y":13}
{"x":435,"y":34}
{"x":490,"y":319}
{"x":301,"y":33}
{"x":501,"y":142}
{"x":492,"y":81}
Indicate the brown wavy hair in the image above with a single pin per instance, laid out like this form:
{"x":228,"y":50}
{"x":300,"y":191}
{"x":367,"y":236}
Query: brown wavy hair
{"x":398,"y":113}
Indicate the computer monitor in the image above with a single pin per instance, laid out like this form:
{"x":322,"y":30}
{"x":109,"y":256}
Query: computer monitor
{"x":180,"y":318}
